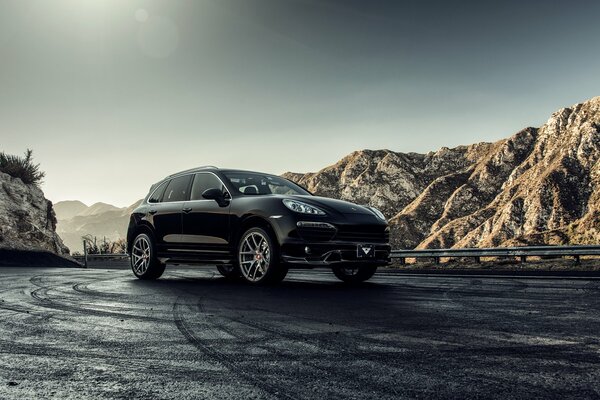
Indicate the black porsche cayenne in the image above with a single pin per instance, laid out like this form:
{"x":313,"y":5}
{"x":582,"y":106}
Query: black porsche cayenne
{"x":252,"y":225}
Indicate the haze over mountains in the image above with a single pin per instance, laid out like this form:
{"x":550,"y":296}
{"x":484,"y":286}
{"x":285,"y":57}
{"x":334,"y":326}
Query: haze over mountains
{"x":539,"y":186}
{"x":75,"y":219}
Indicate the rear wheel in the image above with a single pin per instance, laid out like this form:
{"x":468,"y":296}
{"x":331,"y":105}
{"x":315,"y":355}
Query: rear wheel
{"x":354,"y":273}
{"x":144,"y":263}
{"x":258,"y":258}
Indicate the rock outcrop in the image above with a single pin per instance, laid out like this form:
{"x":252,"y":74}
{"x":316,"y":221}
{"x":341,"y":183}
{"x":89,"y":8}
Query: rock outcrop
{"x":540,"y":186}
{"x":27,"y":219}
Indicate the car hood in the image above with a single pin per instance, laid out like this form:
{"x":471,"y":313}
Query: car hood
{"x":341,"y":206}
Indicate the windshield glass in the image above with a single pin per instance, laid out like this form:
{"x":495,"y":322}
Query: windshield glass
{"x":253,"y":184}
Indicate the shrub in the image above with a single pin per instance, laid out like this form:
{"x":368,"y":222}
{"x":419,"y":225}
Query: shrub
{"x":118,"y":246}
{"x":22,"y":167}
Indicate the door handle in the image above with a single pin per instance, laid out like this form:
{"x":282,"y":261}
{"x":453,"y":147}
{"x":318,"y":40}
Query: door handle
{"x":152,"y":212}
{"x":187,"y":209}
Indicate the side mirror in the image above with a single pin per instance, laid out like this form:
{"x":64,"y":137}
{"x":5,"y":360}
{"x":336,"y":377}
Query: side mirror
{"x":216,"y":195}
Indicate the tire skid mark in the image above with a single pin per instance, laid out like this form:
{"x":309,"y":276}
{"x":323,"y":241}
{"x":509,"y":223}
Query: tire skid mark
{"x":17,"y":307}
{"x":224,"y":359}
{"x":319,"y":340}
{"x":149,"y":363}
{"x":42,"y":298}
{"x":38,"y":280}
{"x":83,"y":288}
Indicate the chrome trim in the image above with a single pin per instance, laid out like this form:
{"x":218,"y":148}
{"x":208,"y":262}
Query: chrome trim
{"x":192,"y":170}
{"x":158,"y":185}
{"x":197,"y":251}
{"x":217,"y":176}
{"x":184,"y":173}
{"x":315,"y":224}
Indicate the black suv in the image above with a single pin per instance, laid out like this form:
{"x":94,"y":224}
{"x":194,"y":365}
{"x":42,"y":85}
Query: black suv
{"x":252,"y":225}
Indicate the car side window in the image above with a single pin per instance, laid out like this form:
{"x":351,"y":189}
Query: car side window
{"x":177,"y":189}
{"x":202,"y":182}
{"x":158,"y":193}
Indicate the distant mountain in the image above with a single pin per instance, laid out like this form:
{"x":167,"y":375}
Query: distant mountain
{"x":100,"y":220}
{"x":98,"y":208}
{"x":68,"y":209}
{"x":540,"y":186}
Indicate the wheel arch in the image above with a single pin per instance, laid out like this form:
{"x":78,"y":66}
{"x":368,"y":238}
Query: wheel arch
{"x":141,"y":228}
{"x":254,"y":221}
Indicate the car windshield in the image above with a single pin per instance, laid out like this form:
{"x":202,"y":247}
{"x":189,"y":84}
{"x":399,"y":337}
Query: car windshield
{"x":253,"y":184}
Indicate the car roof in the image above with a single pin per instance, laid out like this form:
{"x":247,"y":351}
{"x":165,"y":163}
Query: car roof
{"x":243,"y":171}
{"x":213,"y":168}
{"x":191,"y":170}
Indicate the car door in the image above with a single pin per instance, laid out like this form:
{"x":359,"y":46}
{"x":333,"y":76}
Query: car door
{"x":166,"y":214}
{"x":205,"y":222}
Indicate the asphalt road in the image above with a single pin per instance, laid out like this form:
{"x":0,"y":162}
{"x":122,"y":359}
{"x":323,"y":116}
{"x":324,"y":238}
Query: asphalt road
{"x":76,"y":333}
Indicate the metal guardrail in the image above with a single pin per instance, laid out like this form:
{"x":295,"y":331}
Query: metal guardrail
{"x":85,"y":258}
{"x":437,"y":254}
{"x":521,"y":252}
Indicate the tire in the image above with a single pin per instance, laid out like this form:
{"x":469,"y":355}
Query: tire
{"x":258,"y":258}
{"x":229,"y":271}
{"x":354,"y":274}
{"x":144,"y":263}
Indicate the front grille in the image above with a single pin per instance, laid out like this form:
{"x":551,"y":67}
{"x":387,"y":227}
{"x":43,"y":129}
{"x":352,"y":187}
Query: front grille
{"x":363,"y":234}
{"x":316,"y":234}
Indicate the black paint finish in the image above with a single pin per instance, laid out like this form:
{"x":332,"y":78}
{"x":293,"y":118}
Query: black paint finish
{"x":207,"y":231}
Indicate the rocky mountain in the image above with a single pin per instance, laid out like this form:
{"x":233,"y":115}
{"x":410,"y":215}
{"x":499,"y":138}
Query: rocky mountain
{"x":100,"y":220}
{"x":539,"y":186}
{"x":27,"y":218}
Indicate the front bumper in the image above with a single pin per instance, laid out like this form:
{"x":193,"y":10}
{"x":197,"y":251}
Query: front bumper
{"x":332,"y":254}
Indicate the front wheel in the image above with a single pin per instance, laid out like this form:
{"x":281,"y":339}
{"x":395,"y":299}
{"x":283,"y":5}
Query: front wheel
{"x":258,"y":258}
{"x":354,"y":273}
{"x":144,"y":263}
{"x":229,"y":271}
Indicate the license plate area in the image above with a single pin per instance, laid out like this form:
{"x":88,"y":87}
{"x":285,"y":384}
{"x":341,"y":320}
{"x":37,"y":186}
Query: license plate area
{"x":365,"y":251}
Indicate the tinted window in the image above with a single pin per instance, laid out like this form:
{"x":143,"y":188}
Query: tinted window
{"x":177,"y":189}
{"x":253,"y":183}
{"x":203,"y":182}
{"x":157,"y":194}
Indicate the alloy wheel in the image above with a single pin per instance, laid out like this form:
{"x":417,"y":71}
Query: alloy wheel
{"x":141,"y":255}
{"x":254,"y":256}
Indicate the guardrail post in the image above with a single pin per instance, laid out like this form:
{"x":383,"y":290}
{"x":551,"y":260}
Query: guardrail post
{"x":577,"y":261}
{"x":523,"y":258}
{"x":436,"y":260}
{"x":85,"y":253}
{"x":478,"y":260}
{"x":402,"y":260}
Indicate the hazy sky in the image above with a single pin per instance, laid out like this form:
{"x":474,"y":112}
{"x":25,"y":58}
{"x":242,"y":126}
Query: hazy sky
{"x":113,"y":95}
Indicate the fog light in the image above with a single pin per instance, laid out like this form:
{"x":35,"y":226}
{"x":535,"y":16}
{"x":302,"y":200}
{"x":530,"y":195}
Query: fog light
{"x":307,"y":250}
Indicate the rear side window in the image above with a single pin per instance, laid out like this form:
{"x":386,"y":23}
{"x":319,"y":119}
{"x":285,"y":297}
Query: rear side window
{"x":177,"y":189}
{"x":157,"y":194}
{"x":203,"y":182}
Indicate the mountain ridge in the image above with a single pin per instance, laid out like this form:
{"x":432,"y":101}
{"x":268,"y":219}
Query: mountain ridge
{"x":539,"y":186}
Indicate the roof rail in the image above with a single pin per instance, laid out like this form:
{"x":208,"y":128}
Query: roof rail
{"x":193,"y":170}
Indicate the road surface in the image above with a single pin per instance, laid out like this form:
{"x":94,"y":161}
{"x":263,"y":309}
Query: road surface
{"x":77,"y":333}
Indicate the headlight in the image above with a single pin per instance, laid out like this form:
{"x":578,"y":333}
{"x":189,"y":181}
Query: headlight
{"x":378,"y":213}
{"x":302,"y":208}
